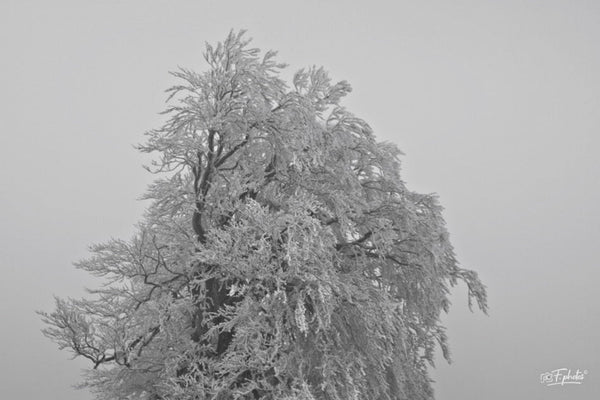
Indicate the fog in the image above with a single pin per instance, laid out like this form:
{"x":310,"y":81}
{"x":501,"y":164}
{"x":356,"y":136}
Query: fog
{"x":495,"y":105}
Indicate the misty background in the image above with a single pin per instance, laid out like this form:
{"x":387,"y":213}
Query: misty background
{"x":495,"y":105}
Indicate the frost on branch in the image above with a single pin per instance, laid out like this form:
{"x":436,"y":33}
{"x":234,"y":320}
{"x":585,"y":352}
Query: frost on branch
{"x":282,"y":256}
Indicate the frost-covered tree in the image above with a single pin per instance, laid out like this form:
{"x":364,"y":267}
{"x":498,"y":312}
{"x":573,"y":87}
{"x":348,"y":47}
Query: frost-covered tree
{"x":282,"y":256}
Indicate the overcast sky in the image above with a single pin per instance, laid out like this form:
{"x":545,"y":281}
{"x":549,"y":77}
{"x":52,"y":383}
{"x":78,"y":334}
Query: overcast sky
{"x":494,"y":103}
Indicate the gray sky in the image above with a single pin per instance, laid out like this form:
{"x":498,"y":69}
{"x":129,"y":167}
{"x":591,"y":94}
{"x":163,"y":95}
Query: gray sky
{"x":495,"y":104}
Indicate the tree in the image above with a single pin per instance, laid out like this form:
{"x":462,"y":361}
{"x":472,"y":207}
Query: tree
{"x":282,"y":257}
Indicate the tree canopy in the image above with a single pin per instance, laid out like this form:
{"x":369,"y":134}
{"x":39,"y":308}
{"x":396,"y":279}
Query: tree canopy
{"x":281,"y":256}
